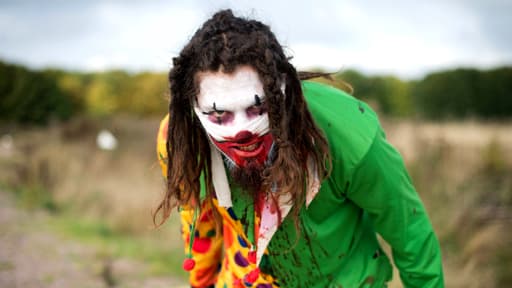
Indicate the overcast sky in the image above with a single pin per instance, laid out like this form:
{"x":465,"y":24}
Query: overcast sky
{"x":405,"y":38}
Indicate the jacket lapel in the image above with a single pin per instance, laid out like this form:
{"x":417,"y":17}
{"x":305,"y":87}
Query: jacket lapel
{"x":269,"y":217}
{"x":270,"y":222}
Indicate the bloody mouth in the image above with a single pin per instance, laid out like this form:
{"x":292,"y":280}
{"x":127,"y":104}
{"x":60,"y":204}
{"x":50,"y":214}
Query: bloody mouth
{"x":245,"y":146}
{"x":248,"y":151}
{"x":249,"y":147}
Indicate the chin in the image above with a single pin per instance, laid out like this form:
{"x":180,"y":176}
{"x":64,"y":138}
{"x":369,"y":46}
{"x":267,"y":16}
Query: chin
{"x":250,"y":176}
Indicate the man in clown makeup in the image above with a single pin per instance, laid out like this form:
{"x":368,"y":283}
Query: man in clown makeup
{"x":282,"y":183}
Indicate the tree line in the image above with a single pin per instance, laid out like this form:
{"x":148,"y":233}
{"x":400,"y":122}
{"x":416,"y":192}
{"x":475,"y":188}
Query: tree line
{"x":38,"y":96}
{"x":451,"y":94}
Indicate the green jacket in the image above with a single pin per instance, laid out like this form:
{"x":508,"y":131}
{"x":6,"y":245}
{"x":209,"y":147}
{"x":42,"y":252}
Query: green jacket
{"x":368,"y":192}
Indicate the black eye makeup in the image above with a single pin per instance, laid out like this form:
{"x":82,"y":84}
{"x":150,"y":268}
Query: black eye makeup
{"x":214,"y":110}
{"x":221,"y":117}
{"x":257,"y":100}
{"x":218,"y":116}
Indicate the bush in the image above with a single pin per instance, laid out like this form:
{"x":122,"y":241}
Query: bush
{"x":31,"y":97}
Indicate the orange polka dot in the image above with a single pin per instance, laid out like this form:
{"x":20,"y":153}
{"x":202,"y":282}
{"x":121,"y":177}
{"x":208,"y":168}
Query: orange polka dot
{"x":228,"y":236}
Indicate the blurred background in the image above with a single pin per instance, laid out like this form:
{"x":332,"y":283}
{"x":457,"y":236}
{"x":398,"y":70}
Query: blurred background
{"x":83,"y":87}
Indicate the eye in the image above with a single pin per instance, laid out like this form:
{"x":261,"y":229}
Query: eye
{"x":258,"y":108}
{"x":219,"y":116}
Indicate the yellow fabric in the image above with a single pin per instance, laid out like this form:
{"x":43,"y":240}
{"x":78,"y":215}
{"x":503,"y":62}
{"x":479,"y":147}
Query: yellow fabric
{"x":207,"y":246}
{"x":161,"y":141}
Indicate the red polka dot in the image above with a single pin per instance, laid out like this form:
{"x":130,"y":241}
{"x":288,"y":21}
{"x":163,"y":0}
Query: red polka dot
{"x":201,"y":245}
{"x":252,"y":276}
{"x":252,"y":257}
{"x":188,"y":264}
{"x":237,"y":283}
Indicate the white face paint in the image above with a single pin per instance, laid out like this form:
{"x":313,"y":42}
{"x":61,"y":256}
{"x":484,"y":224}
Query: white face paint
{"x":231,"y":103}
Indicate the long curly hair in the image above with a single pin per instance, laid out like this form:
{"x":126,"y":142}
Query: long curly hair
{"x":227,"y":42}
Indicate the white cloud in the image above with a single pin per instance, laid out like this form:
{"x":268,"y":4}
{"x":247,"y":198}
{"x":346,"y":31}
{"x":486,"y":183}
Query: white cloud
{"x":407,"y":38}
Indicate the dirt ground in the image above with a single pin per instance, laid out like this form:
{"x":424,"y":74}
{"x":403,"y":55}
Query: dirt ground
{"x":33,"y":257}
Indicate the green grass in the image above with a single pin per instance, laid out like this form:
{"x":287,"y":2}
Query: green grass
{"x":36,"y":196}
{"x":161,"y":257}
{"x":155,"y":248}
{"x":6,"y":266}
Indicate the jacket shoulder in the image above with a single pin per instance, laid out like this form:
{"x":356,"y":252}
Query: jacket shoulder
{"x":349,"y":124}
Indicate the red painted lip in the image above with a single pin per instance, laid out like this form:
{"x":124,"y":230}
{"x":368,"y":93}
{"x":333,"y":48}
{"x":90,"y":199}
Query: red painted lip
{"x":242,"y":137}
{"x":245,"y":145}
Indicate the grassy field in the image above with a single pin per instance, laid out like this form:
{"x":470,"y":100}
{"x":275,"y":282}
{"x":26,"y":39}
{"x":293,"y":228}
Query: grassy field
{"x":463,"y":173}
{"x":103,"y":199}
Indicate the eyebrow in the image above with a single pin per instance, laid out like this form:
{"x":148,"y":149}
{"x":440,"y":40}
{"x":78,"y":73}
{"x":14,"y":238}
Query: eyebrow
{"x":214,"y":109}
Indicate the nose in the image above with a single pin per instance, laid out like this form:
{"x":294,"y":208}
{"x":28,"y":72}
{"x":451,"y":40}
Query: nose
{"x":243,"y":137}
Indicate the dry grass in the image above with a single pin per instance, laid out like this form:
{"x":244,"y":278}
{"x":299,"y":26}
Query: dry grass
{"x":100,"y":195}
{"x":120,"y":186}
{"x":462,"y":171}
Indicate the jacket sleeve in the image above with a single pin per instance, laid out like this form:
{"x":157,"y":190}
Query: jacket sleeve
{"x":382,"y":187}
{"x":206,"y":245}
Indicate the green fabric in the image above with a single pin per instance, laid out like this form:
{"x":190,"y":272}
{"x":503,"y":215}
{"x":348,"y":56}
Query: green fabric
{"x":243,"y":206}
{"x":369,"y":191}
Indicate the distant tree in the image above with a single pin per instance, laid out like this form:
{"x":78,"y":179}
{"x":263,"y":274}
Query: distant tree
{"x":119,"y":92}
{"x":389,"y":94}
{"x":31,"y":97}
{"x":465,"y":92}
{"x":37,"y":96}
{"x":393,"y":96}
{"x":494,"y":93}
{"x":149,"y":94}
{"x":447,"y":94}
{"x":105,"y":93}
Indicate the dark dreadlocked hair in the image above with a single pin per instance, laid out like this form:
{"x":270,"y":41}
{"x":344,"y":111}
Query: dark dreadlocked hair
{"x":227,"y":42}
